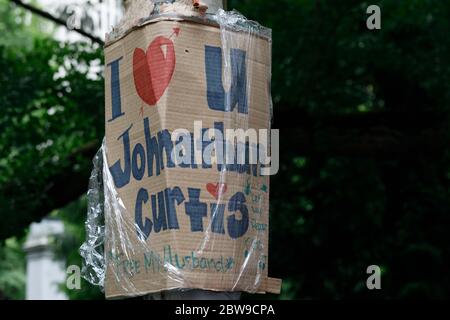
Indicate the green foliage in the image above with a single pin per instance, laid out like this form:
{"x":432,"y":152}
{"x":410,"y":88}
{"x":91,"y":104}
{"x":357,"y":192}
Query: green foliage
{"x":326,"y":61}
{"x":20,"y":28}
{"x":51,"y":99}
{"x":12,"y":270}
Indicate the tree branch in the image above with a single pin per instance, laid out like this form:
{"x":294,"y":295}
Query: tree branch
{"x":56,"y":20}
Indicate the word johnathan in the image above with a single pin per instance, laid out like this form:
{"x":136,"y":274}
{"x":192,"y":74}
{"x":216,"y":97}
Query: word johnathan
{"x":238,"y":150}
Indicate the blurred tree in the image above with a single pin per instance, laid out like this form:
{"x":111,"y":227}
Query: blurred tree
{"x":12,"y":270}
{"x":52,"y":100}
{"x":20,"y":28}
{"x":365,"y":178}
{"x":50,"y":97}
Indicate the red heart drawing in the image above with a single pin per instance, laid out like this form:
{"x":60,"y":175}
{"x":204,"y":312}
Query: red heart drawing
{"x":152,"y":71}
{"x":216,"y":190}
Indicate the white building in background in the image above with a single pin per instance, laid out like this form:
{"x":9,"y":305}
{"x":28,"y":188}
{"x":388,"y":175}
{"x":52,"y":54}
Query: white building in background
{"x":95,"y":16}
{"x":45,"y":271}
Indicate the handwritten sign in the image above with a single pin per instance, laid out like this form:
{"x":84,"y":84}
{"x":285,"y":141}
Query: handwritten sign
{"x":176,"y":216}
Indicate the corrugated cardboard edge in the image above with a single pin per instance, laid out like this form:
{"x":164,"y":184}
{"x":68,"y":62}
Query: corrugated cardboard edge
{"x":270,"y":285}
{"x":169,"y":17}
{"x":273,"y":285}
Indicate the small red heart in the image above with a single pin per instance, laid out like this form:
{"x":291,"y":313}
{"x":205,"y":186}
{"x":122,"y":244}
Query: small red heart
{"x":216,"y":190}
{"x":152,"y":71}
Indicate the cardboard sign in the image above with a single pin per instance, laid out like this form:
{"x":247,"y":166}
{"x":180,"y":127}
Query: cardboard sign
{"x":172,"y":224}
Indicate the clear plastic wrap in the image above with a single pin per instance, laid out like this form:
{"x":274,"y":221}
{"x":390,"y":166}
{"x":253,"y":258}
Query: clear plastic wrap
{"x":140,"y":11}
{"x":177,"y":225}
{"x":92,"y":251}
